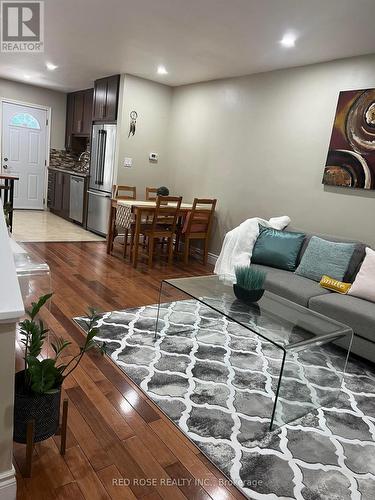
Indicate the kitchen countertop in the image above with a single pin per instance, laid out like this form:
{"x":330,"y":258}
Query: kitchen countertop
{"x":69,"y":171}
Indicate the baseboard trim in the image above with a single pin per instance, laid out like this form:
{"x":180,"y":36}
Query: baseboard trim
{"x":8,"y":485}
{"x":212,"y":257}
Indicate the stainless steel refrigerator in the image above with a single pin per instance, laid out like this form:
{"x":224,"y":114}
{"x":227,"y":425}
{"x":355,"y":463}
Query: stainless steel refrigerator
{"x":102,"y":165}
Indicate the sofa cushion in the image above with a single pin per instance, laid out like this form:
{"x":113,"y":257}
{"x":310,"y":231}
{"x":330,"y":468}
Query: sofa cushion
{"x":355,"y":261}
{"x":290,"y":286}
{"x":364,"y":283}
{"x":277,"y":248}
{"x":323,"y":257}
{"x":357,"y":313}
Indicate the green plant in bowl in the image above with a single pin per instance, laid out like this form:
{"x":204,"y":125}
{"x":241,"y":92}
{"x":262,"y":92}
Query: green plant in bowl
{"x":162,"y":191}
{"x":249,"y":285}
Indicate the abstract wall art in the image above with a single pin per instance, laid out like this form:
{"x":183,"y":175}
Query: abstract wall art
{"x":351,"y":155}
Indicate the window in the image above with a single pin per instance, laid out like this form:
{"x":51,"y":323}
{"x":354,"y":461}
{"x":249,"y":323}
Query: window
{"x":25,"y":120}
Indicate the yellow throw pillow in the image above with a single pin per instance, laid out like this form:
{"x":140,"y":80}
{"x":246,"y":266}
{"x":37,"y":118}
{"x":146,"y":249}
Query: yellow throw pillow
{"x":334,"y":285}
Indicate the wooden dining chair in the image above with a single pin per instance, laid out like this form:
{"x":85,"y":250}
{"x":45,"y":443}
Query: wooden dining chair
{"x":151,"y":193}
{"x":197,"y":226}
{"x":121,"y":192}
{"x":163,"y":225}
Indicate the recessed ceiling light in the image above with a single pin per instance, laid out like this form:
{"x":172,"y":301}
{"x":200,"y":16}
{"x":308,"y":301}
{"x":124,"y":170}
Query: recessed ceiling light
{"x":288,"y":40}
{"x":162,"y":70}
{"x":51,"y":67}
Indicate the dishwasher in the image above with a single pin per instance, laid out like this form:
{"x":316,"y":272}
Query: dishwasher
{"x":77,"y":193}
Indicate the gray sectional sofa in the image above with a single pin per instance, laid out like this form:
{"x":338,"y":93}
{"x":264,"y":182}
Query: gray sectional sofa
{"x":357,"y":313}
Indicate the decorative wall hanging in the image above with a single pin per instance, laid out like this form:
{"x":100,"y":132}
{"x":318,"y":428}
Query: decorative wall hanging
{"x":351,"y":156}
{"x":133,"y":122}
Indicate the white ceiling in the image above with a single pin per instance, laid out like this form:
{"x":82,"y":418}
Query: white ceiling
{"x":196,"y":40}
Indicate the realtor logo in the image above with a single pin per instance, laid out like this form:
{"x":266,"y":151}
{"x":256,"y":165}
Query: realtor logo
{"x":22,"y":26}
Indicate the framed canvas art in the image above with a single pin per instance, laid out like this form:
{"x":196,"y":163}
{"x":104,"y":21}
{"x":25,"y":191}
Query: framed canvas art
{"x":351,"y":156}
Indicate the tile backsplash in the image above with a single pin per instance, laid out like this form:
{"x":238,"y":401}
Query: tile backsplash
{"x":62,"y":158}
{"x":66,"y":159}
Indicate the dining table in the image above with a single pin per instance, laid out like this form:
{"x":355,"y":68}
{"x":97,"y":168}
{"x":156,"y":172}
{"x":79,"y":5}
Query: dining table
{"x":123,"y":213}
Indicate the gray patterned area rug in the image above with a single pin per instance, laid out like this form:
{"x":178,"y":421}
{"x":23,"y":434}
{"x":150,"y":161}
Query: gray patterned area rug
{"x":216,"y":381}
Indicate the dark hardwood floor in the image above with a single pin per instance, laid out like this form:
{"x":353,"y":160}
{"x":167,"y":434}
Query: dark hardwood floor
{"x":120,"y":445}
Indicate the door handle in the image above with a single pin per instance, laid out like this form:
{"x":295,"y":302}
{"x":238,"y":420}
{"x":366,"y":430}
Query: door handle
{"x":5,"y":167}
{"x":5,"y":159}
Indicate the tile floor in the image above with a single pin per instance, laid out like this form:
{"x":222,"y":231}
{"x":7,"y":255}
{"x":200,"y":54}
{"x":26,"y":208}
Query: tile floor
{"x":41,"y":225}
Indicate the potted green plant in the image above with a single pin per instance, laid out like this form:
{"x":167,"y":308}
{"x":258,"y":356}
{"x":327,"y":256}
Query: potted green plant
{"x":249,"y":286}
{"x":38,"y":385}
{"x":162,"y":191}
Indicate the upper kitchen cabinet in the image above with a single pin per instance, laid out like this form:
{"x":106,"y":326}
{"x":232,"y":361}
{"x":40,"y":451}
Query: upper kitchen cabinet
{"x":106,"y":91}
{"x":88,"y":101}
{"x":78,"y":112}
{"x":78,"y":116}
{"x":82,"y":115}
{"x":69,"y":121}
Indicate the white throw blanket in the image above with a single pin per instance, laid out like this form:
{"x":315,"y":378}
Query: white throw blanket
{"x":239,"y":243}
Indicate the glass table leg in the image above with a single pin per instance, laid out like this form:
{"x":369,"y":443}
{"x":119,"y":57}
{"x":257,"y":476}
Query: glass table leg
{"x":311,"y":378}
{"x":158,"y":313}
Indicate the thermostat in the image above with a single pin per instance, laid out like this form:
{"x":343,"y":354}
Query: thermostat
{"x":153,"y":157}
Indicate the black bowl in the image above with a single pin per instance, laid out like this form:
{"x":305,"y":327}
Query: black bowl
{"x":248,"y":296}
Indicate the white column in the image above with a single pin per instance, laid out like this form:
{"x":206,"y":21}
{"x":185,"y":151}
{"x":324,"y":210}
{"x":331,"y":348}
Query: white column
{"x":11,"y":309}
{"x":7,"y":479}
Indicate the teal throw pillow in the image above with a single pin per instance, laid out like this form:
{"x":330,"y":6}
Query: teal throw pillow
{"x":324,"y":257}
{"x":277,"y":248}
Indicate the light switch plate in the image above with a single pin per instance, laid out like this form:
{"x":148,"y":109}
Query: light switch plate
{"x":128,"y":162}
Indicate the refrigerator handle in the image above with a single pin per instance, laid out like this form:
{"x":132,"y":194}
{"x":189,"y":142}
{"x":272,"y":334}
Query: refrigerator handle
{"x":98,"y":193}
{"x":104,"y":145}
{"x":98,"y":158}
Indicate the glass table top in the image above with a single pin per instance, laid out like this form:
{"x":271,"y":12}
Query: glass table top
{"x":284,"y":323}
{"x":29,"y":264}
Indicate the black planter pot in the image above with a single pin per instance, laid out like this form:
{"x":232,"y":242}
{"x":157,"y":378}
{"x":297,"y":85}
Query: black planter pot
{"x":43,"y":408}
{"x":247,"y":296}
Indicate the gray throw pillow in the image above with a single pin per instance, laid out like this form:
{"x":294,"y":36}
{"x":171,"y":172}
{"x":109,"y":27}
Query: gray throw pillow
{"x":325,"y":257}
{"x":355,"y":262}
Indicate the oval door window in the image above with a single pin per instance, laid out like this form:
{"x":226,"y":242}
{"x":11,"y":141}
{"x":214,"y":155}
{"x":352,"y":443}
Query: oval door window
{"x":25,"y":120}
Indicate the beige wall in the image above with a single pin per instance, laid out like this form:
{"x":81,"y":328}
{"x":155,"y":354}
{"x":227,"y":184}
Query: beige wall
{"x":152,"y":101}
{"x":259,"y":144}
{"x":38,"y":95}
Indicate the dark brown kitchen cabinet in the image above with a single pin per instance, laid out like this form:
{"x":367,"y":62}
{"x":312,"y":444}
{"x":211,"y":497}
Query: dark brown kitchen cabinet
{"x":88,"y":99}
{"x":59,"y":188}
{"x":100,"y":96}
{"x":69,"y":121}
{"x":58,"y":197}
{"x":78,"y":112}
{"x":51,"y":189}
{"x":78,"y":116}
{"x":65,"y":204}
{"x":106,"y":91}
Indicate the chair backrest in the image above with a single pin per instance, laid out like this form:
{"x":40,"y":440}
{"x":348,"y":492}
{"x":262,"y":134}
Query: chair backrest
{"x":124,"y":192}
{"x":151,"y":193}
{"x":199,"y":219}
{"x":166,"y":212}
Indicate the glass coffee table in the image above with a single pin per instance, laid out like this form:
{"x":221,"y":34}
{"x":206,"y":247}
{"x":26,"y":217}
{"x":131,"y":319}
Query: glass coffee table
{"x":276,"y":354}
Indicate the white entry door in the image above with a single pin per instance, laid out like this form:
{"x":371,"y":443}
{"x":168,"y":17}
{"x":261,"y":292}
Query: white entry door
{"x":24,"y":139}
